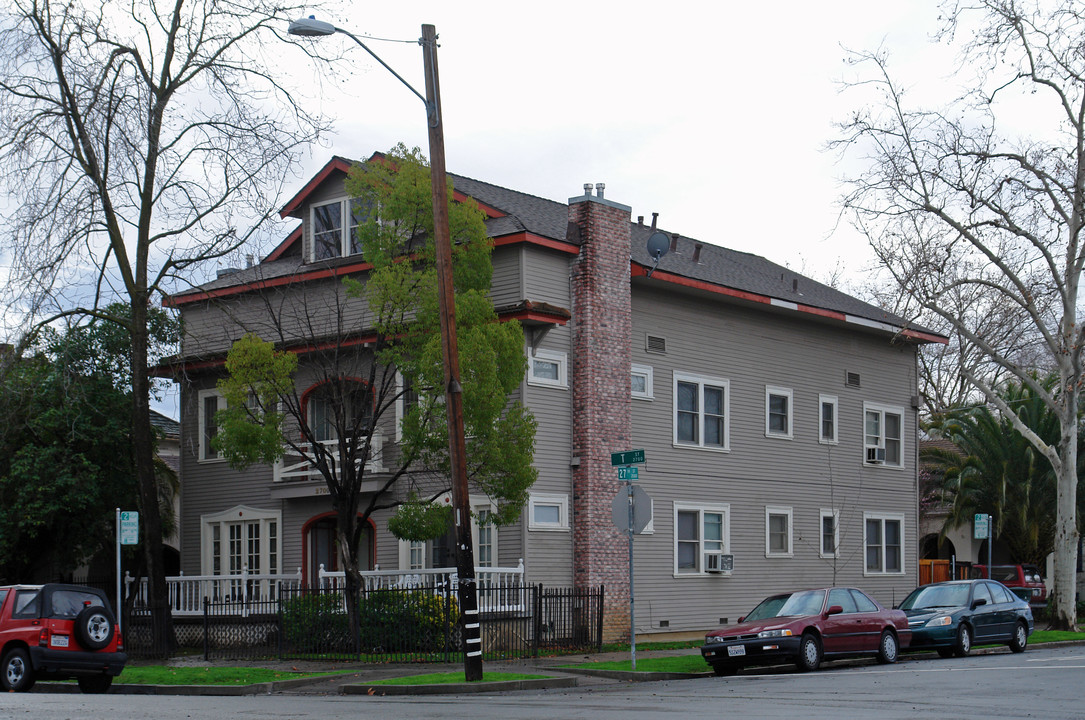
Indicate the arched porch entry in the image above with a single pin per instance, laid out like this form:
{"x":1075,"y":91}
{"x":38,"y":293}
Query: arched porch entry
{"x":320,"y":547}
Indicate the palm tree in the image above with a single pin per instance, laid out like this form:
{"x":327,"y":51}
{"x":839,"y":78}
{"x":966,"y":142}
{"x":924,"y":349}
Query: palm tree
{"x":999,"y":472}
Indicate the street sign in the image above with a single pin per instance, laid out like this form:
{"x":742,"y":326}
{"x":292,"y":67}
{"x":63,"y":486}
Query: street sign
{"x":627,"y":473}
{"x":983,"y":526}
{"x":642,"y":510}
{"x":628,"y":457}
{"x":130,"y":528}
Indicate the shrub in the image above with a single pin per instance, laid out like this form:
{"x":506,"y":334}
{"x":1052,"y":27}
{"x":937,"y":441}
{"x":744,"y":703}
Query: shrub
{"x":406,"y":620}
{"x":316,"y":622}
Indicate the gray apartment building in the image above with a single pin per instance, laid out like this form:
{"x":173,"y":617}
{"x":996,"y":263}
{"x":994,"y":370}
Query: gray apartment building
{"x":778,"y":416}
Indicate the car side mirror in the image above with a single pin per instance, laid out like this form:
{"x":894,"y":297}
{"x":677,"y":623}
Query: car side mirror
{"x":977,"y":602}
{"x":742,"y":619}
{"x":834,"y":610}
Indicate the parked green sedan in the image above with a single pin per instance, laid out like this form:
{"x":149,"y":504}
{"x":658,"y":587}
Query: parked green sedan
{"x":951,"y":617}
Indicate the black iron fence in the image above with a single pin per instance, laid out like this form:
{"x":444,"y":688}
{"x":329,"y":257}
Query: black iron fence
{"x":393,"y":625}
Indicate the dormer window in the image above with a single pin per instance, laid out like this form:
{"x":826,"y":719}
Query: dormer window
{"x":334,"y":228}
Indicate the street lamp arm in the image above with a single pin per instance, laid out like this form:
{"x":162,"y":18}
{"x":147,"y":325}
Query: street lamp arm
{"x":311,"y":27}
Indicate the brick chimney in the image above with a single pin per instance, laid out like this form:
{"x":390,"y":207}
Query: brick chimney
{"x":601,"y":397}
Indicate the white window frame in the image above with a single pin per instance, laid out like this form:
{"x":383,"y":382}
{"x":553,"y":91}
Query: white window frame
{"x":422,"y":548}
{"x":480,"y":505}
{"x":835,"y":515}
{"x":771,"y":510}
{"x":202,"y":420}
{"x":401,"y":406}
{"x":243,"y":515}
{"x":701,"y":509}
{"x":644,"y":371}
{"x":832,"y":400}
{"x":346,"y":228}
{"x":882,"y":411}
{"x":701,"y":381}
{"x":559,"y":500}
{"x":559,"y":358}
{"x":773,"y":390}
{"x":883,"y":518}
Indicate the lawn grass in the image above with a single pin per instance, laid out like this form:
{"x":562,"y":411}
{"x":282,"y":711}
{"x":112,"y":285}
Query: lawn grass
{"x":671,"y":664}
{"x":1046,"y":636}
{"x":447,"y":678}
{"x":164,"y":675}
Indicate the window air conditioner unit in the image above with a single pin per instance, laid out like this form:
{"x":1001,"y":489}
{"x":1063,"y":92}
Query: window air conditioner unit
{"x":875,"y":456}
{"x":719,"y":562}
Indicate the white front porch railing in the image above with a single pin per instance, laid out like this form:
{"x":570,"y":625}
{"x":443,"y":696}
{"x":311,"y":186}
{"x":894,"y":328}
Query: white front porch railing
{"x":295,"y":465}
{"x":500,"y":589}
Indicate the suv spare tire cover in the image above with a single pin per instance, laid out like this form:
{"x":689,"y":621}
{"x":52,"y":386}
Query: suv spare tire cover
{"x":94,"y":627}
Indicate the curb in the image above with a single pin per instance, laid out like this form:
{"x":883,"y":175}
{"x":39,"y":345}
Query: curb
{"x":634,"y":676}
{"x":458,"y":688}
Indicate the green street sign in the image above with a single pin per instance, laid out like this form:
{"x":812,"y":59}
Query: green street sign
{"x":628,"y":457}
{"x":982,"y":526}
{"x":130,"y":528}
{"x":627,"y":473}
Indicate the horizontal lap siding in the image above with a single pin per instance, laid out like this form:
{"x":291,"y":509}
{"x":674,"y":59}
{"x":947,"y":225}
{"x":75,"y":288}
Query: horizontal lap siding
{"x":752,"y":348}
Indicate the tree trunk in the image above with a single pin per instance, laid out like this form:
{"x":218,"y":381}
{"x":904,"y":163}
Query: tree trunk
{"x":351,"y":576}
{"x":1062,"y":604}
{"x":143,"y":452}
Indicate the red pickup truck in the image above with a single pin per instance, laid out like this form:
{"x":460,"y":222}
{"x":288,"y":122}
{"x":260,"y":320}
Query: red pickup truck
{"x":1024,"y":580}
{"x":58,"y":632}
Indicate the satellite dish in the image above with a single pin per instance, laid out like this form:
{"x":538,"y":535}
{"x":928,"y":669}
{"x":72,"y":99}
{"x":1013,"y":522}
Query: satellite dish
{"x":658,"y":244}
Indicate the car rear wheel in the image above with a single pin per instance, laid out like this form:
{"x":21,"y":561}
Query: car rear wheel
{"x":809,"y":653}
{"x":17,"y":675}
{"x":945,"y":652}
{"x":888,"y":648}
{"x":963,"y":646}
{"x":724,"y":670}
{"x":94,"y":628}
{"x":1020,"y":638}
{"x":95,"y":684}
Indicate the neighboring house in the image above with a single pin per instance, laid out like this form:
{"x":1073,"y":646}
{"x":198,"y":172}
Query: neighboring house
{"x":169,"y":451}
{"x":777,"y":415}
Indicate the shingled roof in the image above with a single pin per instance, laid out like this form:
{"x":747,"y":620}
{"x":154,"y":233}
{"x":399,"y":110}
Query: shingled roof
{"x":513,"y":212}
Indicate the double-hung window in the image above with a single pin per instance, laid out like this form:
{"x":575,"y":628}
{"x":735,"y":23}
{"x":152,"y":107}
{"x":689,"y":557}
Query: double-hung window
{"x":883,"y":542}
{"x":883,"y":435}
{"x":701,"y":417}
{"x":827,"y":419}
{"x":210,"y":402}
{"x":778,"y":532}
{"x":699,"y":530}
{"x":778,"y":420}
{"x":830,"y":533}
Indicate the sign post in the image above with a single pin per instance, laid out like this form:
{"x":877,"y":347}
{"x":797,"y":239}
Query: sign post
{"x":127,"y":534}
{"x":983,"y":531}
{"x":626,"y":475}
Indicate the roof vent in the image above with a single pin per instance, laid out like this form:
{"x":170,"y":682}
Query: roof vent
{"x":674,"y":243}
{"x":599,"y":188}
{"x":227,"y":271}
{"x":588,"y":188}
{"x":655,"y":344}
{"x":697,"y":252}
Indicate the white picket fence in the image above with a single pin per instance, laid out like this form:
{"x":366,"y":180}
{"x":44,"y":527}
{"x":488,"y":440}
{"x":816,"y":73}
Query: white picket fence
{"x":500,"y":589}
{"x":296,"y":465}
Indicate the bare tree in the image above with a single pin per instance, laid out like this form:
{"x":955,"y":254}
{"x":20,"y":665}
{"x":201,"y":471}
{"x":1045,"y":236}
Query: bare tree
{"x":139,"y":139}
{"x":954,"y":205}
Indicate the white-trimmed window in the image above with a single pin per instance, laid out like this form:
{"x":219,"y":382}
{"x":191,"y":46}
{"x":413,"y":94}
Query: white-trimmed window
{"x":640,"y":381}
{"x":334,"y":227}
{"x":548,"y":512}
{"x":883,"y":435}
{"x":241,"y":537}
{"x":422,"y":554}
{"x":701,"y":416}
{"x":699,"y":530}
{"x":406,"y":398}
{"x":210,"y":402}
{"x":485,"y":537}
{"x":829,"y":530}
{"x":778,"y":420}
{"x":778,"y":532}
{"x":884,"y":544}
{"x":828,"y":419}
{"x":547,"y":367}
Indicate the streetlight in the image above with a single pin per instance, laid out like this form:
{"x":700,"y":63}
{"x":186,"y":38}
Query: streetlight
{"x":465,"y":561}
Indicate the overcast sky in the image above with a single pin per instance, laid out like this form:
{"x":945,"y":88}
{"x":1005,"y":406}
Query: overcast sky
{"x":713,"y":114}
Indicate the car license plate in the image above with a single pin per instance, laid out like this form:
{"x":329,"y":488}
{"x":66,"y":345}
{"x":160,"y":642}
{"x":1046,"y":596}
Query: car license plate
{"x":59,"y":641}
{"x":736,"y":650}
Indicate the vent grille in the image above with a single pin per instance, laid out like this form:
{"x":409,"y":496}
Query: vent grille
{"x":656,"y":344}
{"x":851,"y":379}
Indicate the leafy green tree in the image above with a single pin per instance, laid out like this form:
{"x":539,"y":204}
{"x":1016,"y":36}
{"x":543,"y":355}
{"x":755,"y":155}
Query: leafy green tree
{"x":65,"y":460}
{"x":999,"y":472}
{"x":268,"y":412}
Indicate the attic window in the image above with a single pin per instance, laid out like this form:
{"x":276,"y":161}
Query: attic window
{"x":851,"y":379}
{"x":655,"y":344}
{"x":334,"y":227}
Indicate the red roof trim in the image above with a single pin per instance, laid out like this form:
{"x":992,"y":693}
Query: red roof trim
{"x":294,"y":236}
{"x":535,"y":316}
{"x":533,"y":239}
{"x":335,"y":164}
{"x":491,"y":212}
{"x":177,"y":301}
{"x":638,"y":270}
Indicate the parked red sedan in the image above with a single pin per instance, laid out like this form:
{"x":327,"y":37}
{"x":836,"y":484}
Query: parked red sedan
{"x":806,"y":627}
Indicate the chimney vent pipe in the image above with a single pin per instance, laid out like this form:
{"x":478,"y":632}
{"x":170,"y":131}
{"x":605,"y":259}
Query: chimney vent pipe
{"x":697,"y":252}
{"x":674,"y":243}
{"x":588,"y":188}
{"x":599,"y":187}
